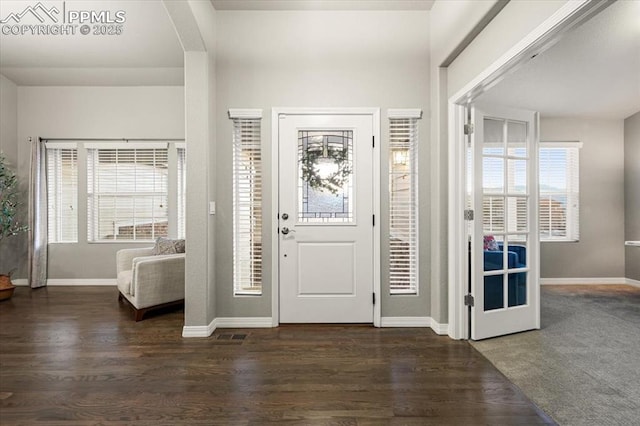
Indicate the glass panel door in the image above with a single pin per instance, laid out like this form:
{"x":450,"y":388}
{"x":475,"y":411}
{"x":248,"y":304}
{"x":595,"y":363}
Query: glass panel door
{"x":505,"y":229}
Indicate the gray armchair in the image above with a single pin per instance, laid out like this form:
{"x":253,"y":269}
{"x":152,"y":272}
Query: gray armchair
{"x":148,"y":282}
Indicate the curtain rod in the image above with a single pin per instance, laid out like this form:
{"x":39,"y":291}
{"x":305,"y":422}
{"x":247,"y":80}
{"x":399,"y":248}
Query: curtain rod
{"x":111,"y":139}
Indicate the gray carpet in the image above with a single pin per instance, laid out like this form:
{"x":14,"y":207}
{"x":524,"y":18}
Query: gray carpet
{"x":583,"y":366}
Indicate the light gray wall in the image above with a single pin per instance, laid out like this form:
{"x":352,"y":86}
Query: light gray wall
{"x":93,"y":112}
{"x":449,"y":22}
{"x":318,"y":59}
{"x":632,"y":194}
{"x":600,"y":251}
{"x":10,"y":250}
{"x":512,"y":24}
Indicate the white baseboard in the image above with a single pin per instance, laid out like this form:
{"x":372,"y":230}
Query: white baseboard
{"x":426,"y":322}
{"x":199,"y":330}
{"x":244,"y":322}
{"x":70,"y":281}
{"x":81,"y":281}
{"x":440,"y":329}
{"x":582,"y":281}
{"x":405,"y":322}
{"x":226,"y":322}
{"x":634,"y":283}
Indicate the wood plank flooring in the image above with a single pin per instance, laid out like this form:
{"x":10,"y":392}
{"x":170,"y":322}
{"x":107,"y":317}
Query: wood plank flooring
{"x":74,"y":356}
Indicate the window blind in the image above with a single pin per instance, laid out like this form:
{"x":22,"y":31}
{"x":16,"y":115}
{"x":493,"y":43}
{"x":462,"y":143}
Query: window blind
{"x":247,"y":206}
{"x":403,"y":205}
{"x":127,"y":193}
{"x":559,"y":191}
{"x":62,"y":192}
{"x":182,"y":191}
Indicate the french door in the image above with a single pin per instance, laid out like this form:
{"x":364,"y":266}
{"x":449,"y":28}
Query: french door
{"x":503,"y":163}
{"x":326,"y":238}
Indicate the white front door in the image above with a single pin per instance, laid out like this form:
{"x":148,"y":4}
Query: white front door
{"x":325,"y":218}
{"x":505,"y":241}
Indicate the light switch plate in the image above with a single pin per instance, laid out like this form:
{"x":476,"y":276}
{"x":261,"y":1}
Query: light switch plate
{"x":212,"y":207}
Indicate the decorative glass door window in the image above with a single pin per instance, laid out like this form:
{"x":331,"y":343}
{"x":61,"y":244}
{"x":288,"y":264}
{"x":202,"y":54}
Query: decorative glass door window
{"x":325,"y":176}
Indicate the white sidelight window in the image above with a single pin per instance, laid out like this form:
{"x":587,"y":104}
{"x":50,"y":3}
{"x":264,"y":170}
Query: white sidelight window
{"x":62,"y":192}
{"x":403,"y":201}
{"x":560,"y":191}
{"x":247,"y":202}
{"x":182,"y":189}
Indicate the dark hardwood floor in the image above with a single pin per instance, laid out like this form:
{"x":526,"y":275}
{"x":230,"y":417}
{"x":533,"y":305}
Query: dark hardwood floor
{"x":75,"y":356}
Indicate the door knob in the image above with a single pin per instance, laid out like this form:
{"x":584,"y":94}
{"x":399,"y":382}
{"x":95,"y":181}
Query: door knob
{"x":285,"y":230}
{"x":285,"y":216}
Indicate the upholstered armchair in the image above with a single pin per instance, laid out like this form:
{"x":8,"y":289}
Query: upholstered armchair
{"x":147,"y":281}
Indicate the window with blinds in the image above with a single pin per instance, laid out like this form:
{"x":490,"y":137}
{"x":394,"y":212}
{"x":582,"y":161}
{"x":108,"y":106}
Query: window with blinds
{"x":182,"y":190}
{"x":127,"y":192}
{"x":559,"y":191}
{"x":403,"y":204}
{"x":62,"y":192}
{"x":247,"y":206}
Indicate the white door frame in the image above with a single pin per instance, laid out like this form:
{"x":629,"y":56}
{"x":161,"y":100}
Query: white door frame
{"x":569,"y":16}
{"x":275,"y":198}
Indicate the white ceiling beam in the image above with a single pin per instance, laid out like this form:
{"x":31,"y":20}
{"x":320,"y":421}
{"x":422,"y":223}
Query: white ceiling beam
{"x":185,"y":25}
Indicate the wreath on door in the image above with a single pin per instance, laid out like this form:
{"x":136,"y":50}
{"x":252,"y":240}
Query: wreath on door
{"x":336,"y":179}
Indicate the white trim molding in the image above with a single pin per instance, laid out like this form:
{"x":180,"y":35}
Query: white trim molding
{"x":632,"y":282}
{"x":440,"y":329}
{"x":244,"y":322}
{"x":199,"y":330}
{"x":226,"y":322}
{"x":404,"y":113}
{"x":422,"y":322}
{"x":244,"y":113}
{"x":583,"y":281}
{"x":79,"y":282}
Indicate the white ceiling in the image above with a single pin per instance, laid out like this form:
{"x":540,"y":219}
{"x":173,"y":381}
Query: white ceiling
{"x":147,"y":52}
{"x":593,"y":72}
{"x":322,"y":4}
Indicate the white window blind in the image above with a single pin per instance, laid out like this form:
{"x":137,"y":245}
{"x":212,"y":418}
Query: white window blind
{"x":559,"y":191}
{"x":403,"y":205}
{"x":127,"y":192}
{"x":247,"y":207}
{"x":182,"y":190}
{"x":62,"y":192}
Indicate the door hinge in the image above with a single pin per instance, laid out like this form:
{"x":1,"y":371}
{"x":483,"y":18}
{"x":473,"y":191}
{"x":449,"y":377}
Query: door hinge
{"x":373,"y":141}
{"x":468,"y":300}
{"x":374,"y":220}
{"x":374,"y":298}
{"x":469,"y":214}
{"x":468,"y":129}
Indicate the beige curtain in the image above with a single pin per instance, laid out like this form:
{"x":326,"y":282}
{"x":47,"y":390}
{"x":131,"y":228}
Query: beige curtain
{"x":38,"y":216}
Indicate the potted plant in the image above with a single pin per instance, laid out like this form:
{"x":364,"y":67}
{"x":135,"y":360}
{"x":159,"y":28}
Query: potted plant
{"x":9,"y":226}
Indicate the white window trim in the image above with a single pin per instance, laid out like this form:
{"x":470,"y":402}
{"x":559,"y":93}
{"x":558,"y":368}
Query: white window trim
{"x":404,"y":113}
{"x":245,"y":113}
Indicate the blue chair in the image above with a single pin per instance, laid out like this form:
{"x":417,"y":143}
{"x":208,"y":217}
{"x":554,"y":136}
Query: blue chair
{"x":517,"y":284}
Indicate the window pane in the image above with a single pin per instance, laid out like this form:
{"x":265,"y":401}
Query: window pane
{"x":325,"y":176}
{"x":128,"y":190}
{"x":247,"y":207}
{"x":62,"y":193}
{"x":493,"y":175}
{"x":403,"y":206}
{"x":559,"y":194}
